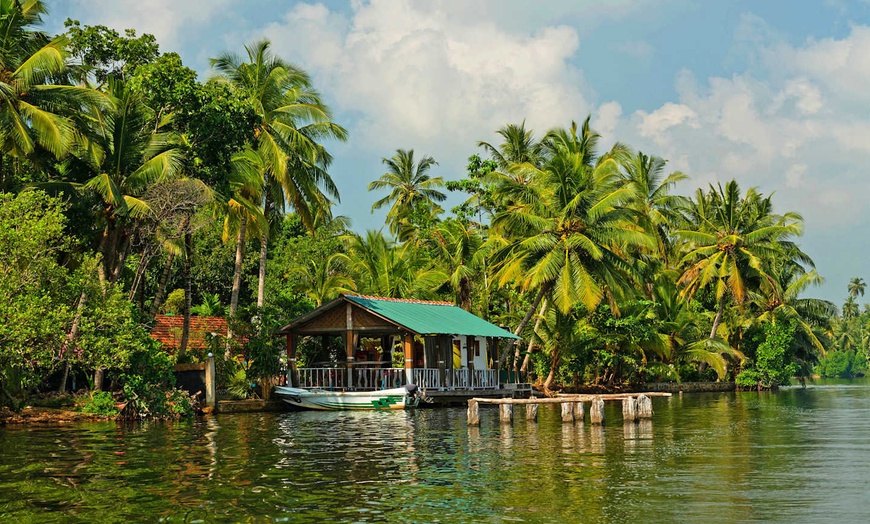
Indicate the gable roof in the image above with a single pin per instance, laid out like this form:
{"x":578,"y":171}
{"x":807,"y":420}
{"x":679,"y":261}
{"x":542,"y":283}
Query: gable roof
{"x":418,"y":316}
{"x":167,"y":330}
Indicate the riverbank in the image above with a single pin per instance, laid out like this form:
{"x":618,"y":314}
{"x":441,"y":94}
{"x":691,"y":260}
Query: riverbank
{"x":665,"y":387}
{"x":36,"y":415}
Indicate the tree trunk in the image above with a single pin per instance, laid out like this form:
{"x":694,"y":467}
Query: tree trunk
{"x":147,"y":255}
{"x":528,"y":356}
{"x":72,"y":336}
{"x":237,"y":280}
{"x":101,"y":249}
{"x":161,"y":288}
{"x":718,"y":319}
{"x":121,"y":257}
{"x":555,"y":362}
{"x":525,"y":321}
{"x":264,"y":244}
{"x":185,"y":326}
{"x":465,"y":294}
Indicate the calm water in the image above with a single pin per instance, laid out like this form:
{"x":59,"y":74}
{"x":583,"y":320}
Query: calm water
{"x":797,"y":455}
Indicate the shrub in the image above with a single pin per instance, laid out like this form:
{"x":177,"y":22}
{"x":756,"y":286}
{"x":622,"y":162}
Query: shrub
{"x":774,"y":362}
{"x":174,"y":304}
{"x":100,"y":403}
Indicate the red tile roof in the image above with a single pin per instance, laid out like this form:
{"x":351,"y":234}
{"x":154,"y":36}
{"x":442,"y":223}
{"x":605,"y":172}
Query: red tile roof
{"x":167,"y":330}
{"x":408,"y":300}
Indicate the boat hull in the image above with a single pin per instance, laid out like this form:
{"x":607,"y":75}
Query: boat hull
{"x":397,"y":398}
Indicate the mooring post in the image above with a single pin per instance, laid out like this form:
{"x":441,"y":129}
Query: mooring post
{"x":506,"y":413}
{"x":210,"y":392}
{"x":473,"y":413}
{"x":567,"y":412}
{"x":579,"y":412}
{"x":596,"y":411}
{"x":532,"y":412}
{"x":644,"y":407}
{"x":629,"y":409}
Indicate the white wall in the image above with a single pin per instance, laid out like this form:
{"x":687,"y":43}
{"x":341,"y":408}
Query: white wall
{"x":479,"y":360}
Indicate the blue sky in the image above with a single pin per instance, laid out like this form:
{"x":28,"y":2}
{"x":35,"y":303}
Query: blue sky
{"x":774,"y":94}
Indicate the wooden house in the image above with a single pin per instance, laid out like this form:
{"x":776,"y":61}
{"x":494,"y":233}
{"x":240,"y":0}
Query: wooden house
{"x":441,"y":347}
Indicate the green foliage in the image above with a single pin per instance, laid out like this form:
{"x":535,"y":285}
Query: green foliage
{"x":101,"y":403}
{"x":210,"y":307}
{"x":174,"y":304}
{"x":38,"y":294}
{"x":774,"y":365}
{"x":107,"y":53}
{"x":148,"y":385}
{"x":842,"y":364}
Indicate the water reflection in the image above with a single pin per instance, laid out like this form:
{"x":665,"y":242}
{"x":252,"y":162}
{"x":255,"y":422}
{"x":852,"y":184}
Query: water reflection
{"x":797,"y":455}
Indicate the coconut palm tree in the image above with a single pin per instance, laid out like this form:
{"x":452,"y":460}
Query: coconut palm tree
{"x":459,"y":247}
{"x":657,"y":209}
{"x":120,"y":156}
{"x":381,"y":267}
{"x":518,"y":147}
{"x":323,"y":281}
{"x":292,"y":121}
{"x":36,"y":105}
{"x":411,"y":188}
{"x":734,"y":241}
{"x":856,"y":287}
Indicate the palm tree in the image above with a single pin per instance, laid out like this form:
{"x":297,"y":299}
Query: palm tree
{"x":518,"y":147}
{"x":292,"y":120}
{"x":734,"y":241}
{"x":656,"y":208}
{"x":566,"y":226}
{"x":321,"y":282}
{"x":412,"y":190}
{"x":36,"y":106}
{"x":380,"y":267}
{"x":121,"y":155}
{"x":856,"y":287}
{"x":460,"y":252}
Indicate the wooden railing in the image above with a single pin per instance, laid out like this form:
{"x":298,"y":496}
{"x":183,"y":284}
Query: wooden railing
{"x":367,"y":379}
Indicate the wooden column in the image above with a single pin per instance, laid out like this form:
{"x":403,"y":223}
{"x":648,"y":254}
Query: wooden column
{"x":629,"y":409}
{"x":596,"y":412}
{"x":408,"y":346}
{"x":348,"y":344}
{"x":210,"y":388}
{"x":579,"y":412}
{"x":473,"y":413}
{"x":644,"y":406}
{"x":532,"y":412}
{"x":292,"y":371}
{"x":469,"y":359}
{"x":506,"y":413}
{"x":567,"y":412}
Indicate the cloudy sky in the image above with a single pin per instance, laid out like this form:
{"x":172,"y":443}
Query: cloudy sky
{"x":775,"y":94}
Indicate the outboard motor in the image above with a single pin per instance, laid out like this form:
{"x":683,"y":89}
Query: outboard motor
{"x":412,"y":390}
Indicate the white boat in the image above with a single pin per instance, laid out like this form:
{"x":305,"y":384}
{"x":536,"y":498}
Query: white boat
{"x":397,"y":398}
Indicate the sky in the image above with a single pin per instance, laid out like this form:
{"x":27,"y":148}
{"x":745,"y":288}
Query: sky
{"x":774,"y":94}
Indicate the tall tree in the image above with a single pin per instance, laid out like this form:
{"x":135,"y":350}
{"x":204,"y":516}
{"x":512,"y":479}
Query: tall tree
{"x":291,"y":121}
{"x":735,"y":240}
{"x":411,"y":188}
{"x":856,"y":287}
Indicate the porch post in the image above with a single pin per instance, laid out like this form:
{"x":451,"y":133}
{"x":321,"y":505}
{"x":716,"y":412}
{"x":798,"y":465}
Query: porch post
{"x":469,"y":359}
{"x":409,"y":357}
{"x":348,"y":344}
{"x":292,"y":372}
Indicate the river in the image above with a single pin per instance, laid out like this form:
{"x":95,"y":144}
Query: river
{"x":795,"y":455}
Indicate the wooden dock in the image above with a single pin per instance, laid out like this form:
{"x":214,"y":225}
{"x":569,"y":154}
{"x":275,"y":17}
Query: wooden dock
{"x":634,"y":406}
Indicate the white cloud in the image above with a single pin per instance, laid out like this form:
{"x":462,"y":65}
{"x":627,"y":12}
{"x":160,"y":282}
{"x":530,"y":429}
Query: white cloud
{"x":429,"y":74}
{"x":168,"y":20}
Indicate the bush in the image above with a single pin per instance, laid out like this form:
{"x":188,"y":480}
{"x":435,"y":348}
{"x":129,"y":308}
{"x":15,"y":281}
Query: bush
{"x":842,"y":364}
{"x":174,"y":304}
{"x":774,"y":360}
{"x":101,"y":403}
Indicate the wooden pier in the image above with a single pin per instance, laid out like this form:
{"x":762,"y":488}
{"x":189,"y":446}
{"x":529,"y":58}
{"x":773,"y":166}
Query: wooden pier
{"x":634,"y":406}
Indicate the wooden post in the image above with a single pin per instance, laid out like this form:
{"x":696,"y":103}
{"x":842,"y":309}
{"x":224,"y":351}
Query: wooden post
{"x":567,"y":412}
{"x":473,"y":413}
{"x":292,"y":371}
{"x":532,"y":412}
{"x":348,"y":344}
{"x":506,"y":413}
{"x":629,"y":409}
{"x":596,"y":412}
{"x":409,"y":357}
{"x":579,"y":412}
{"x":469,"y":359}
{"x":644,"y":407}
{"x":210,"y":391}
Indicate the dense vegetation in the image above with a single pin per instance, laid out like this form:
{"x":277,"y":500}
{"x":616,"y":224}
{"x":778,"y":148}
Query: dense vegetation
{"x":129,"y":187}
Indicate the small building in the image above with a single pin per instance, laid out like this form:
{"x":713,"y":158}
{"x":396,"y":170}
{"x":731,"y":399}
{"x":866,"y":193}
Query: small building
{"x":168,"y":328}
{"x":441,"y":347}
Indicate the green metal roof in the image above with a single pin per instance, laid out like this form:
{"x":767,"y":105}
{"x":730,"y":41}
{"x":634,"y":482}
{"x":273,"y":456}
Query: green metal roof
{"x":430,"y":318}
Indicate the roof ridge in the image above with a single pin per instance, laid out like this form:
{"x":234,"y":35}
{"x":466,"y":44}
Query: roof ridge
{"x":406,"y":300}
